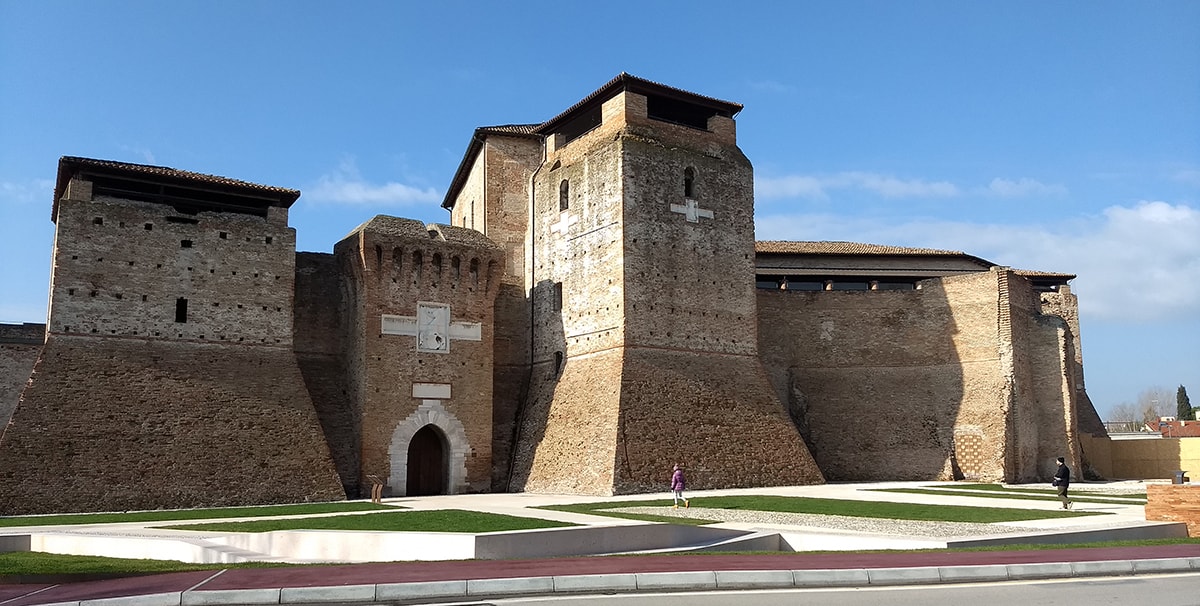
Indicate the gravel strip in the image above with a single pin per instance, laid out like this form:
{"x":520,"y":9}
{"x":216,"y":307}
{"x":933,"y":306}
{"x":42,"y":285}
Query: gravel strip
{"x":907,"y":528}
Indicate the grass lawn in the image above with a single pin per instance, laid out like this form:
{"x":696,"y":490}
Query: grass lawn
{"x":840,"y":507}
{"x":31,"y":563}
{"x":442,"y":520}
{"x":167,"y":515}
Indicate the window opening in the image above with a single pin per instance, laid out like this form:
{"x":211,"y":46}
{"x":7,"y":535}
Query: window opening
{"x":558,"y":296}
{"x":98,"y":221}
{"x":564,"y":194}
{"x":181,"y":310}
{"x":689,"y":180}
{"x":185,"y":244}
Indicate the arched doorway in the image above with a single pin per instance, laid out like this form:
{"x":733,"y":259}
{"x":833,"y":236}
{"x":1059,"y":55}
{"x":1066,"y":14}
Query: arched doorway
{"x":427,"y":468}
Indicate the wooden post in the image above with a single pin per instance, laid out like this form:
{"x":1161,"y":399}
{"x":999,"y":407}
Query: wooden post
{"x":376,"y":488}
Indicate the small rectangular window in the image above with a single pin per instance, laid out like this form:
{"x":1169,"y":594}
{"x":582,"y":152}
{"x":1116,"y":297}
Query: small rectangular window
{"x":181,"y":310}
{"x":185,"y":244}
{"x":98,"y":221}
{"x":149,"y":226}
{"x":558,"y":296}
{"x":224,"y":235}
{"x":269,"y":239}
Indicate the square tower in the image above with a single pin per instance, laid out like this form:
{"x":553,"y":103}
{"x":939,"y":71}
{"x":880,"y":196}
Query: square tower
{"x":639,"y":273}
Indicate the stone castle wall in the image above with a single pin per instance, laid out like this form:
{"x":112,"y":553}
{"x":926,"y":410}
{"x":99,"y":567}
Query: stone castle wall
{"x":1046,"y":364}
{"x":115,"y":424}
{"x":318,"y":345}
{"x":884,"y":383}
{"x":137,"y":269}
{"x":714,"y":414}
{"x":961,"y":378}
{"x":19,"y":347}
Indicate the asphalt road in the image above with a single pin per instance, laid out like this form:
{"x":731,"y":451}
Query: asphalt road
{"x":1158,"y":590}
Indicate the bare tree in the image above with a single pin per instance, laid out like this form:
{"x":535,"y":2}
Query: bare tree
{"x":1151,"y":404}
{"x":1156,"y":402}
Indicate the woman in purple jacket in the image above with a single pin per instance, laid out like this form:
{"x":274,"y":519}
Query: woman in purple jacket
{"x":678,"y":483}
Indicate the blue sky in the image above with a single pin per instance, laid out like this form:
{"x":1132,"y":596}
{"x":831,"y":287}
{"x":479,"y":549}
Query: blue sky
{"x":1059,"y":136}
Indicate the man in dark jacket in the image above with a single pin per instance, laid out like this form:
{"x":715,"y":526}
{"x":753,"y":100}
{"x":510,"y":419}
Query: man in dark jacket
{"x":1062,"y":479}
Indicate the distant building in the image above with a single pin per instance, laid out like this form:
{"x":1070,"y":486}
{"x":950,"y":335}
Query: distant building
{"x":595,"y":310}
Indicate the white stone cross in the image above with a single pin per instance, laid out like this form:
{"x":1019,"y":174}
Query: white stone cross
{"x":564,"y":223}
{"x":432,"y":328}
{"x":691,"y":210}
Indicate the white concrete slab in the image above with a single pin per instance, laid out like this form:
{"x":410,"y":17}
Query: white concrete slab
{"x":231,"y":596}
{"x":524,"y":585}
{"x":904,"y":576}
{"x":421,"y":590}
{"x":698,"y":581}
{"x":172,"y":598}
{"x":1023,"y":572}
{"x":973,"y":574}
{"x":741,"y":579}
{"x":850,"y":577}
{"x":594,"y":583}
{"x":313,"y":595}
{"x":1113,"y":567}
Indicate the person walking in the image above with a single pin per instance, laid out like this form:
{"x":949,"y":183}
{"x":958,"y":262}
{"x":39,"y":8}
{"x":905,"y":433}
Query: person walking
{"x":1062,"y":480}
{"x":678,"y":483}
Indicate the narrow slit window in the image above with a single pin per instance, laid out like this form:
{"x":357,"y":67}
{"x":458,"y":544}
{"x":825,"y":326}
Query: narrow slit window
{"x":181,"y":310}
{"x":689,"y":182}
{"x":558,"y":296}
{"x":564,"y":195}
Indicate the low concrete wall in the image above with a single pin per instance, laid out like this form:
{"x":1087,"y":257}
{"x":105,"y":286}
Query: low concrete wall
{"x":1175,"y":503}
{"x":346,"y":546}
{"x":112,"y":546}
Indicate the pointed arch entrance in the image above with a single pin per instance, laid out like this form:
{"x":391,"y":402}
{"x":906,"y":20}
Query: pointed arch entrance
{"x":428,"y":452}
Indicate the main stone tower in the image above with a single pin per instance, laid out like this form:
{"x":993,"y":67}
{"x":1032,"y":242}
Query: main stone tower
{"x":639,"y":268}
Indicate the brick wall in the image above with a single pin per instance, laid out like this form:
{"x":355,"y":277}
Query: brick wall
{"x":886,"y":383}
{"x":19,"y":347}
{"x":395,"y":265}
{"x":1175,"y":503}
{"x":124,"y":268}
{"x":112,"y":424}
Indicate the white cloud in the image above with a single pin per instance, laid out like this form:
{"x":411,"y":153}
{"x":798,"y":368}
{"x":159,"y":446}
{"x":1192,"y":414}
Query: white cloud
{"x":346,"y":186}
{"x":36,"y":191}
{"x":816,"y":187}
{"x":1135,"y":263}
{"x":795,"y":186}
{"x":1190,"y":176}
{"x":1008,"y":188}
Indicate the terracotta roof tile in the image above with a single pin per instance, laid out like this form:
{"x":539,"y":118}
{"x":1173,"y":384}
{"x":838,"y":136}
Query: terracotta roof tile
{"x":846,"y":248}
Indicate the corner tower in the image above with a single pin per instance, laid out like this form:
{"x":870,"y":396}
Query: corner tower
{"x":643,"y":322}
{"x":168,"y":377}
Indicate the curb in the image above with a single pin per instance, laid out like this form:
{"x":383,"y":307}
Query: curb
{"x":649,"y":582}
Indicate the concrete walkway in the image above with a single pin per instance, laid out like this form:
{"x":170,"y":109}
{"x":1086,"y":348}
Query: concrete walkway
{"x":423,"y":581}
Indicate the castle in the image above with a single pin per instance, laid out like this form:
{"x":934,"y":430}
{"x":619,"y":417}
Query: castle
{"x":596,"y":309}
